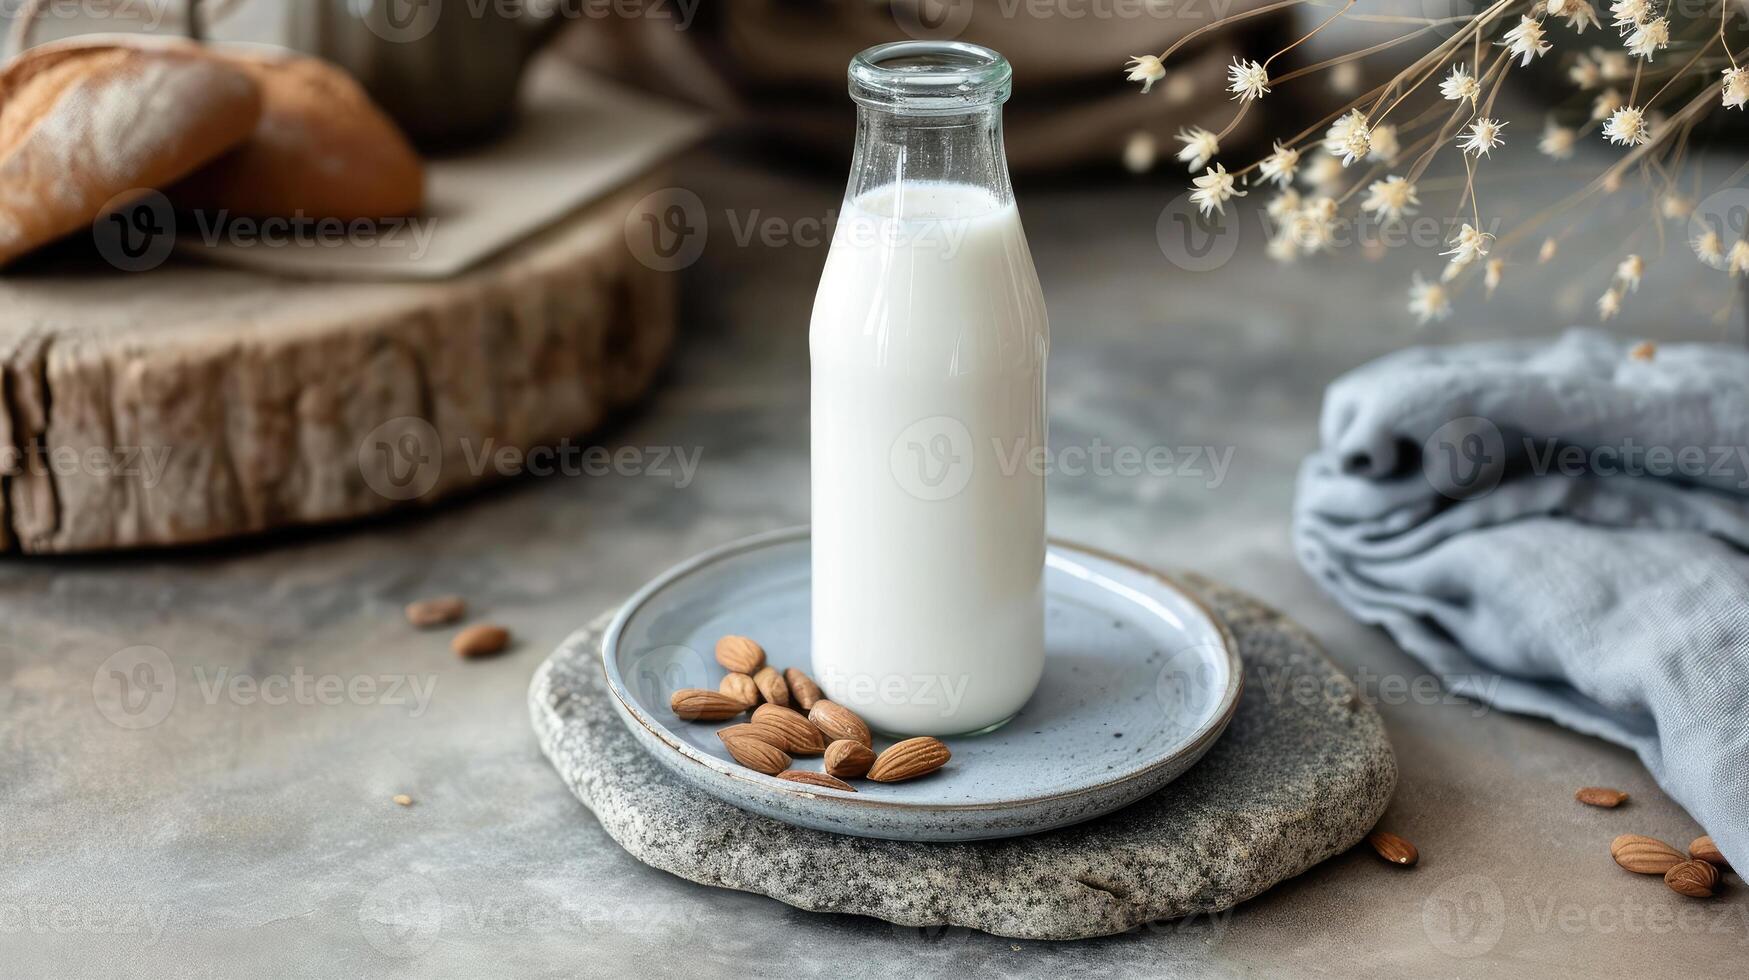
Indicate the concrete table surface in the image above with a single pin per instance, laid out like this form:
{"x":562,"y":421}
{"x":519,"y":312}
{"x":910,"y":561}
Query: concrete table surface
{"x":250,"y":830}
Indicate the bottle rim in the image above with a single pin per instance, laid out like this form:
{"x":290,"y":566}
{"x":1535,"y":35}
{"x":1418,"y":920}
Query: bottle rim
{"x":929,"y":76}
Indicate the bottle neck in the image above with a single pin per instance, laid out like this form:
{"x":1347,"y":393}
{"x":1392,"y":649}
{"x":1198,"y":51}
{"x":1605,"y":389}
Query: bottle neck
{"x":896,"y":148}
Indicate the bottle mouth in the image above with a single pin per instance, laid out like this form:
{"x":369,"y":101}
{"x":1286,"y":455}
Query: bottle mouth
{"x":929,"y":77}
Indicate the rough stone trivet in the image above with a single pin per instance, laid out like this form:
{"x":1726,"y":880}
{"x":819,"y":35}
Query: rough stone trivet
{"x":1302,"y":774}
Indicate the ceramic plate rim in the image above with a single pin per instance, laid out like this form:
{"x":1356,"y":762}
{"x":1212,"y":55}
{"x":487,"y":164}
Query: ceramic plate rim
{"x":1195,"y":745}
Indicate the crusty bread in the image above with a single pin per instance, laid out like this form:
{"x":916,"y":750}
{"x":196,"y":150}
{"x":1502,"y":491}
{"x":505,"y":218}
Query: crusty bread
{"x":322,"y":149}
{"x":83,"y":122}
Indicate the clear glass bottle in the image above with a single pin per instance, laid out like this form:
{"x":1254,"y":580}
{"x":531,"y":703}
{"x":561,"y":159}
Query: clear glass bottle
{"x":928,"y":346}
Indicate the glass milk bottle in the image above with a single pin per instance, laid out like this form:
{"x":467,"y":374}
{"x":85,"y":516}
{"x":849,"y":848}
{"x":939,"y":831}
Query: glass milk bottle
{"x":928,"y":347}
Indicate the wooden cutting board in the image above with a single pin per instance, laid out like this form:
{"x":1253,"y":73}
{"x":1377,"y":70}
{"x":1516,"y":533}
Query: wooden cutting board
{"x":192,"y":403}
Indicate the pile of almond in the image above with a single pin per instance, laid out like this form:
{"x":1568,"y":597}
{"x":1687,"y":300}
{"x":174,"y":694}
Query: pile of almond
{"x":1695,"y":874}
{"x":778,"y":732}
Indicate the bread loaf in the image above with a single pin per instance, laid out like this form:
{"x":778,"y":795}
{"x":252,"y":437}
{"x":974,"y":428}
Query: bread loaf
{"x":83,"y":122}
{"x":322,"y":149}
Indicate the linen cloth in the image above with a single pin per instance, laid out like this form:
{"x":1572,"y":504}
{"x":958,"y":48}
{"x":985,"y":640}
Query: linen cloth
{"x":1561,"y":529}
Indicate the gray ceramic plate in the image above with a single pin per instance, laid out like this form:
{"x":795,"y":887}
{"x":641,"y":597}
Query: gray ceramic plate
{"x":1140,"y":679}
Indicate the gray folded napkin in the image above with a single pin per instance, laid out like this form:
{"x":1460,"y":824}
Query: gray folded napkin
{"x":1559,"y":529}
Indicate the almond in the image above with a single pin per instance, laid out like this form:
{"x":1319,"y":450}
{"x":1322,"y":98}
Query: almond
{"x":799,"y":737}
{"x":1601,"y":796}
{"x":1393,"y":848}
{"x":849,"y":759}
{"x":1644,"y":855}
{"x":1703,"y":849}
{"x":748,"y":729}
{"x":908,"y":759}
{"x":698,"y":704}
{"x":802,"y":689}
{"x":838,"y":722}
{"x":754,"y":752}
{"x":440,"y":611}
{"x":1696,"y":879}
{"x":815,"y":779}
{"x":741,"y":688}
{"x":770,"y":684}
{"x":480,"y":641}
{"x":739,"y":654}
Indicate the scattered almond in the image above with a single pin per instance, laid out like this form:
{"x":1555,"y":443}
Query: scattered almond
{"x":1645,"y":350}
{"x":480,"y":641}
{"x":1644,"y":855}
{"x":1696,"y":879}
{"x":1703,"y":849}
{"x":741,"y":688}
{"x":753,"y":751}
{"x":439,"y":611}
{"x":698,"y":704}
{"x":849,"y":759}
{"x":815,"y":779}
{"x":799,"y":737}
{"x":1601,"y":796}
{"x":403,"y":799}
{"x":739,"y":654}
{"x":802,"y":689}
{"x":908,"y":759}
{"x":770,"y":684}
{"x":1393,"y":848}
{"x":838,"y":722}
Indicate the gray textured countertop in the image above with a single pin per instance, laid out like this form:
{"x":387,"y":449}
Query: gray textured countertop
{"x":239,"y":837}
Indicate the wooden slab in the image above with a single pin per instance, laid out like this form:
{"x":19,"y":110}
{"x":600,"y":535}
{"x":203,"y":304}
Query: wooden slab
{"x":192,"y":403}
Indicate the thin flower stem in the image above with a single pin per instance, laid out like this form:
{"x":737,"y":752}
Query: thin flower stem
{"x":1355,"y":55}
{"x":1314,"y":33}
{"x":1679,"y":73}
{"x":1228,"y":21}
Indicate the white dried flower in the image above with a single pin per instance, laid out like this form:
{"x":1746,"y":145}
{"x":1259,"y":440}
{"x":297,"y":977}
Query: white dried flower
{"x":1710,"y":249}
{"x":1609,"y":304}
{"x":1649,"y":38}
{"x":1483,"y":135}
{"x":1385,"y":145}
{"x":1526,"y":39}
{"x":1313,"y":227}
{"x":1736,"y":87}
{"x":1674,"y":206}
{"x":1492,"y":274}
{"x":1630,"y":271}
{"x":1200,"y":146}
{"x":1605,"y":104}
{"x":1586,"y":72}
{"x":1345,"y":78}
{"x":1546,"y":254}
{"x":1282,"y":206}
{"x":1283,"y":248}
{"x":1737,"y":259}
{"x":1460,"y":85}
{"x":1557,"y":142}
{"x":1627,"y":126}
{"x":1214,"y":189}
{"x":1468,"y":245}
{"x":1147,"y":69}
{"x":1139,"y":152}
{"x":1247,"y":80}
{"x":1278,"y":167}
{"x":1348,"y":137}
{"x":1579,"y":13}
{"x":1180,"y":89}
{"x":1630,"y":13}
{"x":1428,"y":300}
{"x":1391,"y":198}
{"x":1614,"y":65}
{"x":1324,"y":173}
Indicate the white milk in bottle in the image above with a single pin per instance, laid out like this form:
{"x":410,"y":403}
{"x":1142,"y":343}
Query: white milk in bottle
{"x":928,"y":347}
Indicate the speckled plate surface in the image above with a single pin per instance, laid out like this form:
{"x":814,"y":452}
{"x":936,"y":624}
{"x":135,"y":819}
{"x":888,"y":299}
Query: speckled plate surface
{"x":1140,"y":680}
